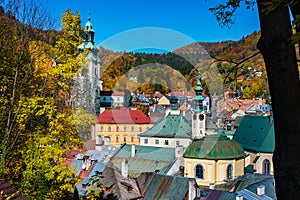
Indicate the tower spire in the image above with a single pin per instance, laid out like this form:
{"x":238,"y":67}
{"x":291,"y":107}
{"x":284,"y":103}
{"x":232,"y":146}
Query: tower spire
{"x":199,"y":117}
{"x":198,"y":100}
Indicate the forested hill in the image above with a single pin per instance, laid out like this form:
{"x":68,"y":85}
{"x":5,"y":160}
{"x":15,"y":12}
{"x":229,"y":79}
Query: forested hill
{"x":206,"y":58}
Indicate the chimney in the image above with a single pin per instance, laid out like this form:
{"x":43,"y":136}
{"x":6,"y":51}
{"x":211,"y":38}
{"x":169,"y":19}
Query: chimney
{"x":98,"y":140}
{"x":260,"y":190}
{"x":260,"y":101}
{"x":239,"y":197}
{"x":124,"y":168}
{"x":198,"y":192}
{"x":179,"y":152}
{"x":192,"y":189}
{"x":93,"y":131}
{"x":132,"y":151}
{"x":212,"y":186}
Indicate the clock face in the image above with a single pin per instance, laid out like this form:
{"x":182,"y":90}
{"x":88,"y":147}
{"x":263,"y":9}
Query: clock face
{"x":201,"y":117}
{"x":194,"y":116}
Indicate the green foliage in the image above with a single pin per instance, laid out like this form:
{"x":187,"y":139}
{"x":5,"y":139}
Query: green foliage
{"x":37,"y":125}
{"x":83,"y":121}
{"x":128,"y":62}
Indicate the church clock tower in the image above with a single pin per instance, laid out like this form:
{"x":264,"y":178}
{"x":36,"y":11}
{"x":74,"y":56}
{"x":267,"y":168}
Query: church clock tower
{"x":199,"y":113}
{"x":88,"y":84}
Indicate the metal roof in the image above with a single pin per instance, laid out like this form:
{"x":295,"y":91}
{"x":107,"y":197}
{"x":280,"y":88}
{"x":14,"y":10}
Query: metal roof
{"x":147,"y":186}
{"x":214,"y":147}
{"x":256,"y":134}
{"x":172,"y":126}
{"x":146,"y":159}
{"x":167,"y":187}
{"x":8,"y":192}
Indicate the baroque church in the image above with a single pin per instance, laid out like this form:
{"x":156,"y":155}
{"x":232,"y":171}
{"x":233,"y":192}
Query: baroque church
{"x":88,"y":84}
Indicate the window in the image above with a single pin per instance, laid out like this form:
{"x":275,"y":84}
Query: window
{"x":229,"y":172}
{"x":124,"y":138}
{"x":101,"y":128}
{"x":145,"y":141}
{"x":132,"y":129}
{"x":140,"y":129}
{"x":266,"y":167}
{"x":132,"y":139}
{"x":156,"y":141}
{"x":125,"y":128}
{"x":177,"y":143}
{"x":199,"y":172}
{"x":117,"y":128}
{"x":166,"y":142}
{"x":109,"y":128}
{"x":117,"y":138}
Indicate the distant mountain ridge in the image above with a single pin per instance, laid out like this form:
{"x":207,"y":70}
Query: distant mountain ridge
{"x":198,"y":57}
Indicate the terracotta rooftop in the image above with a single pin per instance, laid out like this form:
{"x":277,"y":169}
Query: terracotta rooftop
{"x":236,"y":104}
{"x":111,"y":93}
{"x":123,"y":116}
{"x":184,"y":93}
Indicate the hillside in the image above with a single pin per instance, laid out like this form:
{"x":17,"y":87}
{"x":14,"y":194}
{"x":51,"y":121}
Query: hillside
{"x":215,"y":61}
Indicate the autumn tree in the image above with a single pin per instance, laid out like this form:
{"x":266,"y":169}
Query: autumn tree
{"x":279,"y":55}
{"x":37,"y":125}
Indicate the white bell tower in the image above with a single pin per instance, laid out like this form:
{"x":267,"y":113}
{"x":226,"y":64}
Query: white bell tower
{"x":199,"y":113}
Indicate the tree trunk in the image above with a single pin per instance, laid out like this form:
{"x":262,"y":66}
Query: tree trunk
{"x":283,"y":77}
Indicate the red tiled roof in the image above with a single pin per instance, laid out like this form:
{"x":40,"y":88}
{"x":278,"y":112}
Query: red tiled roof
{"x":117,"y":93}
{"x":72,"y":154}
{"x":123,"y":116}
{"x":84,"y":172}
{"x":180,"y":94}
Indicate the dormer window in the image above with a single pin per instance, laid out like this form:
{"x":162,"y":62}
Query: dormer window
{"x":166,"y":142}
{"x":127,"y":186}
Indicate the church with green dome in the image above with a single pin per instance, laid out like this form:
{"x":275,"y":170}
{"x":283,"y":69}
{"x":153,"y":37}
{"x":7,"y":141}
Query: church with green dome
{"x":213,"y":160}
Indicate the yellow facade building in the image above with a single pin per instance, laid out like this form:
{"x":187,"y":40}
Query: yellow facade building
{"x":116,"y":127}
{"x":213,"y":160}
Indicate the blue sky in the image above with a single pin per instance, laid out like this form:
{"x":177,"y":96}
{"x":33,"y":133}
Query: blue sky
{"x":187,"y":20}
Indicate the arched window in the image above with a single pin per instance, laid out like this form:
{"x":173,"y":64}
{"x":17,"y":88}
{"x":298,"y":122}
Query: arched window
{"x":199,"y":172}
{"x":266,"y":166}
{"x":229,"y":172}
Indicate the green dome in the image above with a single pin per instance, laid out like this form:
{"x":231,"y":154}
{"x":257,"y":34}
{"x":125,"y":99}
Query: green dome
{"x":214,"y":147}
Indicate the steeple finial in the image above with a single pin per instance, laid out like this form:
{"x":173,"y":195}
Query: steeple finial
{"x":89,"y":16}
{"x":198,"y":89}
{"x":198,"y":99}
